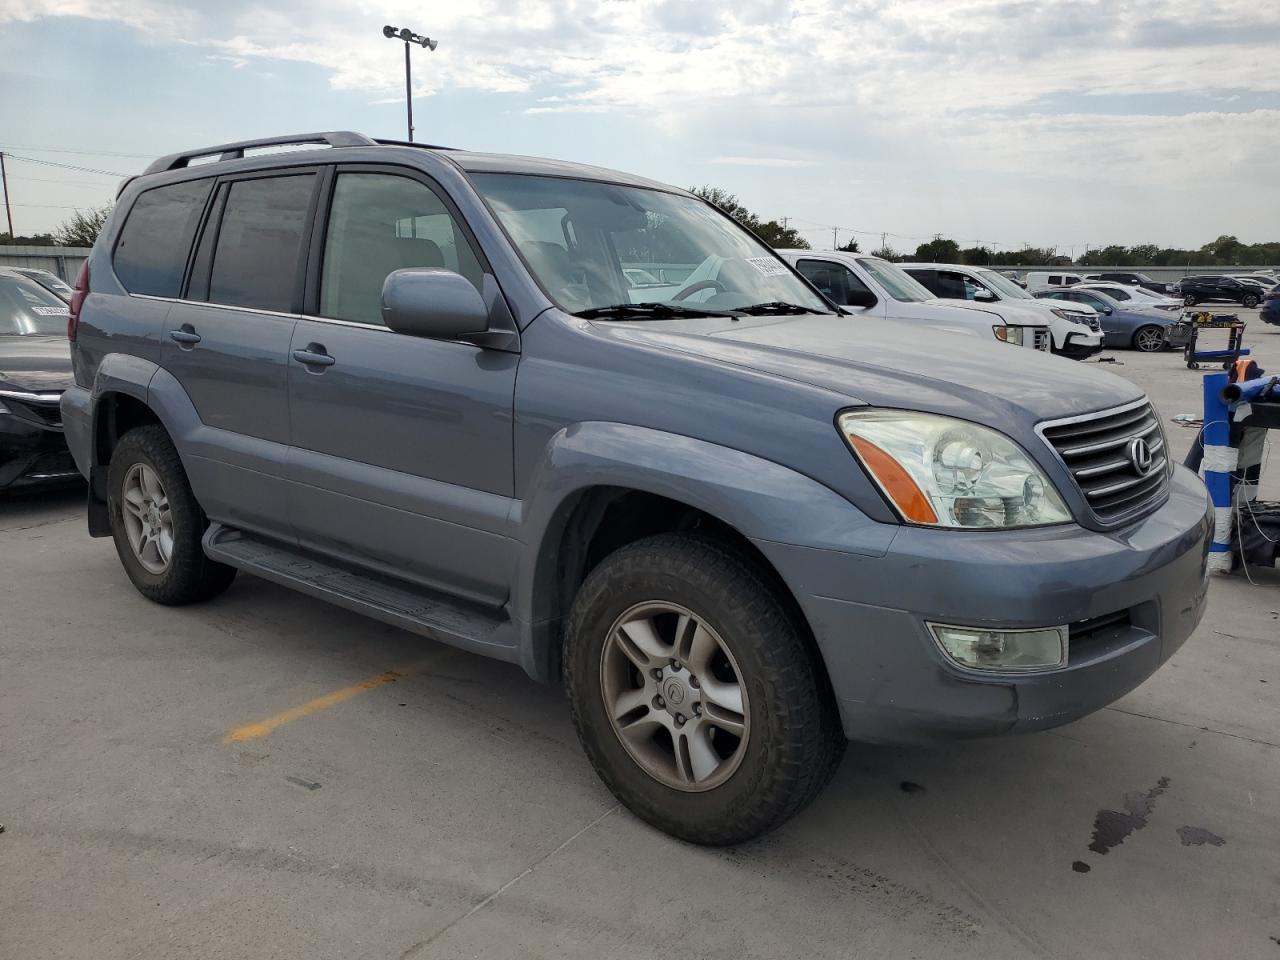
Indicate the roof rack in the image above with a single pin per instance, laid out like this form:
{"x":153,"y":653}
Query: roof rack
{"x":235,"y":151}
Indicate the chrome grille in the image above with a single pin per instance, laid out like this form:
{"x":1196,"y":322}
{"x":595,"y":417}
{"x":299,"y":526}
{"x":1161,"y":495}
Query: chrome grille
{"x":1098,"y":450}
{"x":1042,"y":338}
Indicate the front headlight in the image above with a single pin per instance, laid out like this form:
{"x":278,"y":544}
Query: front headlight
{"x":945,"y":472}
{"x":1008,"y":334}
{"x":1071,"y":316}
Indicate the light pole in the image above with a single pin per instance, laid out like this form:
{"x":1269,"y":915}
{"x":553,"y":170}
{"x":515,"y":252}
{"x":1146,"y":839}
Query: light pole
{"x":408,"y":36}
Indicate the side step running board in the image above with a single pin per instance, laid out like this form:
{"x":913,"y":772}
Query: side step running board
{"x":417,"y":609}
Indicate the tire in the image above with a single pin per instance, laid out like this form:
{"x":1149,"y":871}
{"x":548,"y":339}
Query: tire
{"x":181,"y":574}
{"x":1149,"y":339}
{"x":1250,"y":300}
{"x":1190,"y":300}
{"x":792,"y":741}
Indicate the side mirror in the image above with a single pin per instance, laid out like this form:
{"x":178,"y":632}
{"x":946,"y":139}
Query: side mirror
{"x":860,"y":298}
{"x":984,"y":295}
{"x":432,"y":302}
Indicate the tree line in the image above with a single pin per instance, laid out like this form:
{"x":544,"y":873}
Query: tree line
{"x":81,"y":230}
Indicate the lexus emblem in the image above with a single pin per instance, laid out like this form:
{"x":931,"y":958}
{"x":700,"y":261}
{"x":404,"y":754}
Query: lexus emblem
{"x":1140,"y":456}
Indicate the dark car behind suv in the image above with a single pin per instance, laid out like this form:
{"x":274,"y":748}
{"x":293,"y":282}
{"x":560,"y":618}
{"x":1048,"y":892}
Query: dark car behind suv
{"x":35,"y":367}
{"x":435,"y":387}
{"x":1195,"y":290}
{"x":1132,"y":280}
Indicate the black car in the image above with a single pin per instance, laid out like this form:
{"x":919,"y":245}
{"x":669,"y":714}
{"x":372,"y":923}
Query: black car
{"x":1132,"y":280}
{"x":1195,"y":290}
{"x":35,"y":368}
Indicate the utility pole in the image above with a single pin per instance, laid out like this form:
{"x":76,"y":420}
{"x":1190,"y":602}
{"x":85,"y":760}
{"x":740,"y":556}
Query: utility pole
{"x":784,"y":222}
{"x":882,"y":241}
{"x":4,"y":182}
{"x":835,"y":240}
{"x":408,"y":36}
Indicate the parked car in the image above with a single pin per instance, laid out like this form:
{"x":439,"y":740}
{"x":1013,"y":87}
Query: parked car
{"x":1134,"y":296}
{"x":1076,"y":330}
{"x":1044,"y":280}
{"x":35,"y":367}
{"x":1142,"y":328}
{"x":1267,"y":281}
{"x":1012,"y":275}
{"x":1270,"y":312}
{"x":50,"y":281}
{"x":870,"y":286}
{"x":1204,"y":289}
{"x":1131,"y":280}
{"x":742,"y":527}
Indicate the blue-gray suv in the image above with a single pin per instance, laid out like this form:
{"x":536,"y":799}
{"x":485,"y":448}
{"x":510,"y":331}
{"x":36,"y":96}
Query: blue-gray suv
{"x":585,"y":423}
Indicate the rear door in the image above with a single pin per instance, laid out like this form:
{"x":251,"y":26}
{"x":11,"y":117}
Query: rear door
{"x":227,"y":343}
{"x":402,"y":446}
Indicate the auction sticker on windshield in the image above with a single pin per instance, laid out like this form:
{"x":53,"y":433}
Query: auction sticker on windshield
{"x":768,"y":266}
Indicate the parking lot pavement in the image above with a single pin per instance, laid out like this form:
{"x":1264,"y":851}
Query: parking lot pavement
{"x":267,"y":776}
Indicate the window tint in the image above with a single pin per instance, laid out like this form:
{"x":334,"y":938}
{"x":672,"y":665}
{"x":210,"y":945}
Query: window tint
{"x":953,"y":286}
{"x":255,"y":262}
{"x":1055,"y":280}
{"x":151,"y":254}
{"x":379,"y":223}
{"x":834,"y":279}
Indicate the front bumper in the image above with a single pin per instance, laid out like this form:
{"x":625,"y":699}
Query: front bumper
{"x":33,"y":455}
{"x":1132,"y":597}
{"x":1080,"y":346}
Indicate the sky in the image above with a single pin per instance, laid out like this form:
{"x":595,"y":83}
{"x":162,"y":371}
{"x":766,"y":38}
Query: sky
{"x":1004,"y":122}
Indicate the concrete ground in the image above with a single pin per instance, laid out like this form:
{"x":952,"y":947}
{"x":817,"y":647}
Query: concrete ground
{"x":445,"y":810}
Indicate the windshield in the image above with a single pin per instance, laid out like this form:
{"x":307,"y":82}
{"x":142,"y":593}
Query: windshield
{"x":594,"y":246}
{"x":896,"y":282}
{"x":1002,"y":285}
{"x":27,"y":309}
{"x":50,"y":282}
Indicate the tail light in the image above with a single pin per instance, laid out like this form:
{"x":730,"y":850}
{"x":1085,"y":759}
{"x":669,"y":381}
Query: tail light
{"x":77,"y":300}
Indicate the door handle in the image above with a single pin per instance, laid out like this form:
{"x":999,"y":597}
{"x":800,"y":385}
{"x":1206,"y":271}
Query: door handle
{"x":185,"y":335}
{"x":314,"y":355}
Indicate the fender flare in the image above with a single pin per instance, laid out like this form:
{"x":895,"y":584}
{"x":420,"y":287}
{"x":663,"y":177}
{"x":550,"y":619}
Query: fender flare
{"x":760,"y":499}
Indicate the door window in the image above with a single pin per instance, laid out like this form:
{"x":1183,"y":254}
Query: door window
{"x":834,"y":279}
{"x":151,"y":254}
{"x":379,"y":223}
{"x":256,"y":259}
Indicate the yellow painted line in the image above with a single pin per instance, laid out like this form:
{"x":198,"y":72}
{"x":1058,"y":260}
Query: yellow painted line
{"x":252,"y":731}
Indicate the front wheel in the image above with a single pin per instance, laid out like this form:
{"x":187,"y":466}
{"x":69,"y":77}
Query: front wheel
{"x":693,"y":691}
{"x":1190,"y":300}
{"x":157,"y":524}
{"x":1149,"y":339}
{"x":1250,"y":300}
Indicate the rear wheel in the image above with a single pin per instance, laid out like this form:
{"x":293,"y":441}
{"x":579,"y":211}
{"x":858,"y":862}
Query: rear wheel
{"x":157,"y":524}
{"x":1250,"y":300}
{"x":1148,"y":339}
{"x":693,"y":691}
{"x":1190,"y":300}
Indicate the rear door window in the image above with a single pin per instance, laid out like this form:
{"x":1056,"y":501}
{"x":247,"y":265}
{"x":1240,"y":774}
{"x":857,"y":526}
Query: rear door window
{"x":151,"y":254}
{"x":257,"y":256}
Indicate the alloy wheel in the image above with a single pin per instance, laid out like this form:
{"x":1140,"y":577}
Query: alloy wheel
{"x":675,"y":696}
{"x":1150,"y":339}
{"x":148,"y":519}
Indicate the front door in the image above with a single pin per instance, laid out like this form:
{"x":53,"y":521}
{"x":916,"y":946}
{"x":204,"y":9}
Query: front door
{"x":402,"y":446}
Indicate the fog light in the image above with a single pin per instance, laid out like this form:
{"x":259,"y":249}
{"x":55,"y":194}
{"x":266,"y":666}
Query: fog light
{"x":1040,"y":649}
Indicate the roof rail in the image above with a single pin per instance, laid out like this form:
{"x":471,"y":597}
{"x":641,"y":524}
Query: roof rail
{"x":235,"y":151}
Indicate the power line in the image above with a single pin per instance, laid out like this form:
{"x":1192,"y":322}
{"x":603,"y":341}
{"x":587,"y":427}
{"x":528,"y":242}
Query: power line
{"x":66,"y":183}
{"x":86,"y":153}
{"x":68,"y":166}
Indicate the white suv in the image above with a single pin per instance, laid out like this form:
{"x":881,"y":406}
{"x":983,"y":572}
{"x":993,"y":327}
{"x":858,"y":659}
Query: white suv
{"x":1076,"y":329}
{"x":875,"y":287}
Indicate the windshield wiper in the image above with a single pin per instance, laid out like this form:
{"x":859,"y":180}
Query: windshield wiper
{"x":645,"y":311}
{"x":774,"y":307}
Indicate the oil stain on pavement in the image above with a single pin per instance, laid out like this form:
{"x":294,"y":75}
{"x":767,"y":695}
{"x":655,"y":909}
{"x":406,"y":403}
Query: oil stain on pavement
{"x":1198,"y":836}
{"x":1112,"y":827}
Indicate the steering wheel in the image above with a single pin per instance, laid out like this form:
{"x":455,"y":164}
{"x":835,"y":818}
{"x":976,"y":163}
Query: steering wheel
{"x":693,"y":288}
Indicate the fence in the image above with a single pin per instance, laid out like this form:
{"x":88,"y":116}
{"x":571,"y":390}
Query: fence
{"x":63,"y":261}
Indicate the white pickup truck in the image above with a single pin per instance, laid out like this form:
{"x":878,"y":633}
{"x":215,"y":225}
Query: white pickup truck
{"x":876,"y":287}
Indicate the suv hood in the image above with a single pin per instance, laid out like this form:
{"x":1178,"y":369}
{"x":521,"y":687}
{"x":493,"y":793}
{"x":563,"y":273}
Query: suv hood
{"x":883,"y":363}
{"x":35,"y":364}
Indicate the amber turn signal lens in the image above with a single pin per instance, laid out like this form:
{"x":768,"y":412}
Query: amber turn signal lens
{"x":895,"y":481}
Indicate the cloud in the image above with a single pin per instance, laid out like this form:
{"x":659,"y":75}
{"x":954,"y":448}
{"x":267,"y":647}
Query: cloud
{"x":763,"y":162}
